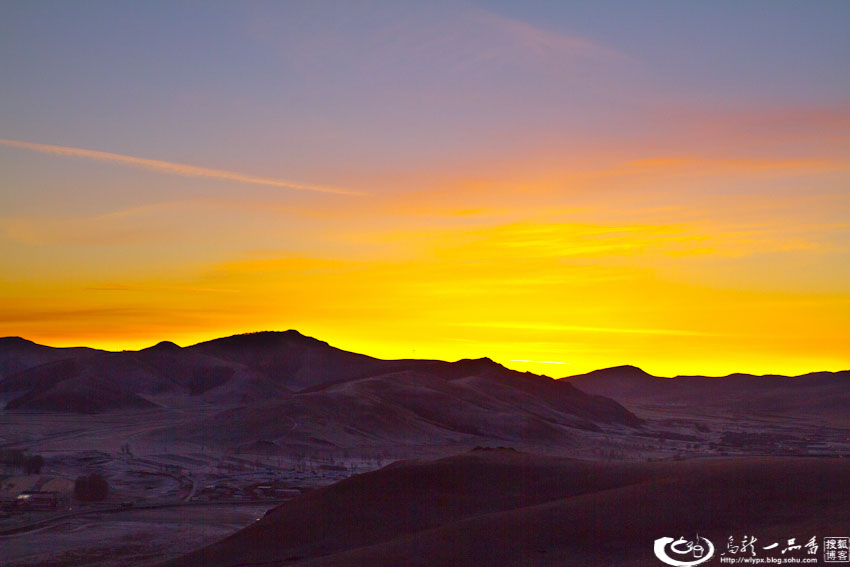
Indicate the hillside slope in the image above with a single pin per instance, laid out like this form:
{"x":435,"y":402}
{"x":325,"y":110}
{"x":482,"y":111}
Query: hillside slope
{"x":506,"y":508}
{"x":17,"y":355}
{"x":491,"y":404}
{"x":163,"y":374}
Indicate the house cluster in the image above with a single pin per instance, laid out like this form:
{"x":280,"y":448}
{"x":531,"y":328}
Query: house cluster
{"x":40,"y":500}
{"x":31,"y":493}
{"x":263,"y":491}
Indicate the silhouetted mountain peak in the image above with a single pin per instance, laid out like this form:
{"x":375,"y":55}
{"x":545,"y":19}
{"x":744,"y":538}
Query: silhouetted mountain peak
{"x":264,"y":339}
{"x":15,"y":341}
{"x":163,"y":346}
{"x":629,"y":368}
{"x":616,"y":379}
{"x":474,"y":365}
{"x":624,"y":370}
{"x":484,"y":361}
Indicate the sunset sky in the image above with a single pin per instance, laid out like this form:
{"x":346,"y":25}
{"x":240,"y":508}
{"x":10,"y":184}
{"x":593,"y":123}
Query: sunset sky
{"x":664,"y":184}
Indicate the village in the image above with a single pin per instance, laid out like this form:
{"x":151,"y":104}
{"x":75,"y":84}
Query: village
{"x":59,"y":487}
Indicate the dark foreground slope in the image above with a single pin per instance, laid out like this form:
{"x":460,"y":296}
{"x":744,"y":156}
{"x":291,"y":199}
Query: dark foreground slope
{"x":506,"y":508}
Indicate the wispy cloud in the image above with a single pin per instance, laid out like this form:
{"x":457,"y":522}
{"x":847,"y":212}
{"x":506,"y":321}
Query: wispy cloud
{"x":144,"y":288}
{"x":181,"y":169}
{"x":541,"y":41}
{"x":582,"y":329}
{"x":742,"y":165}
{"x":140,"y":225}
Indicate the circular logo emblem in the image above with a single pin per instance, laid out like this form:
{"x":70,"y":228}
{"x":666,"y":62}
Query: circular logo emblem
{"x":682,"y":552}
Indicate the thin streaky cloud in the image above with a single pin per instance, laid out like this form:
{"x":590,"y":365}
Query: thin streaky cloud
{"x":581,"y":328}
{"x":542,"y":42}
{"x":128,"y":287}
{"x":173,"y":168}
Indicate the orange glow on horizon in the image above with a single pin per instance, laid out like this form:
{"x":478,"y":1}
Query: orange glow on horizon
{"x":636,"y":264}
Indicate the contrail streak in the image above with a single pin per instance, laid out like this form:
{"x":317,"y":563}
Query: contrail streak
{"x":173,"y":168}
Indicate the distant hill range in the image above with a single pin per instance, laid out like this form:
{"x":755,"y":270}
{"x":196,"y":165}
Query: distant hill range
{"x":234,"y":370}
{"x":281,"y":391}
{"x":824,"y":394}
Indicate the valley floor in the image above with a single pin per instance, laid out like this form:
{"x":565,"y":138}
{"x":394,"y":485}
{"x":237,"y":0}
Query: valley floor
{"x":169,"y":496}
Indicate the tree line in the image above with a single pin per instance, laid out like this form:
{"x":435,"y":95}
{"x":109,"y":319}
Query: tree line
{"x":18,"y":459}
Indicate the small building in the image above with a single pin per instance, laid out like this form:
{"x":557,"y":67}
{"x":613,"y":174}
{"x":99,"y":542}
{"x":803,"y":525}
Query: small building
{"x":37,"y":500}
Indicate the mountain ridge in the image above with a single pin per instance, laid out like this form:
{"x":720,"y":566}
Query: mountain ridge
{"x":260,"y":337}
{"x":268,"y":367}
{"x":295,"y":392}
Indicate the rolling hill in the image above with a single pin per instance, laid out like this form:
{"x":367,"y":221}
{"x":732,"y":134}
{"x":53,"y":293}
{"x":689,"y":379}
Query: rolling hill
{"x":483,"y":403}
{"x":506,"y":508}
{"x":162,"y":374}
{"x":290,"y":394}
{"x":17,"y":355}
{"x":825,"y":394}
